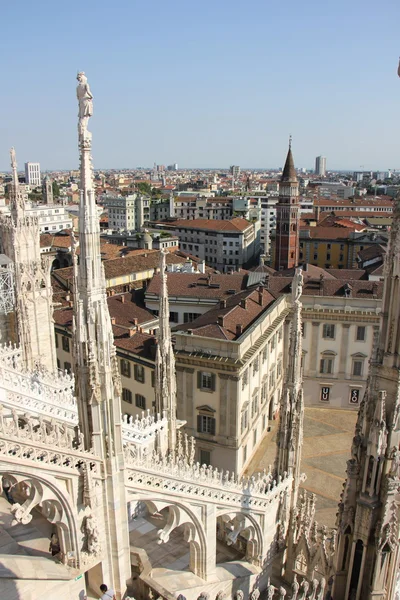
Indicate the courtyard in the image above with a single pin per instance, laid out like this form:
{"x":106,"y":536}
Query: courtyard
{"x":328,"y":435}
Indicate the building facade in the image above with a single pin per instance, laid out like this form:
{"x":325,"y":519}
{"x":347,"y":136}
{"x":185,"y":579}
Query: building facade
{"x":32,"y":174}
{"x":224,"y":245}
{"x":320,"y":166}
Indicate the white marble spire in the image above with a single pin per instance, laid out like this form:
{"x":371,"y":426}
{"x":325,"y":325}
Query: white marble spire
{"x":17,"y":200}
{"x":165,"y":388}
{"x":34,"y":325}
{"x":98,"y":383}
{"x":290,"y":435}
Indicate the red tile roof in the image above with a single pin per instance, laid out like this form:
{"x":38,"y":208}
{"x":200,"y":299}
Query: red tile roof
{"x":197,"y":285}
{"x":232,"y":225}
{"x":221,"y":322}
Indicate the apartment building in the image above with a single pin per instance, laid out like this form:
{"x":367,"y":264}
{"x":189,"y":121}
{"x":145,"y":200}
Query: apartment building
{"x":336,"y":247}
{"x":229,"y":366}
{"x":32,"y":174}
{"x":340,"y":324}
{"x":52,"y":218}
{"x":224,"y":245}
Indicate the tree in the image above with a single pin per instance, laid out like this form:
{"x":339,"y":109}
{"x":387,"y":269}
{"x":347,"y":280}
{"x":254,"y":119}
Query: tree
{"x":144,"y":188}
{"x":56,"y":189}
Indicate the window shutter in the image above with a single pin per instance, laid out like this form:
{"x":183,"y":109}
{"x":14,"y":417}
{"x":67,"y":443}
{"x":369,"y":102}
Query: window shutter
{"x":213,"y":382}
{"x":212,"y":427}
{"x":199,"y":379}
{"x":199,"y":423}
{"x":136,"y":371}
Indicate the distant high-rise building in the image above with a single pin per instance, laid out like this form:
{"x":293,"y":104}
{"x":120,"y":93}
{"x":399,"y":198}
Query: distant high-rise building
{"x":32,"y":174}
{"x":320,"y":166}
{"x":235,"y":171}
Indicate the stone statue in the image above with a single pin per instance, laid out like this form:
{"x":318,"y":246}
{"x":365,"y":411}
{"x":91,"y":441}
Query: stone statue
{"x":239,"y":595}
{"x":85,"y":100}
{"x":92,"y":536}
{"x":297,"y":285}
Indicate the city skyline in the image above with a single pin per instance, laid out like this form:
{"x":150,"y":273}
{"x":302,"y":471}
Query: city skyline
{"x":208,"y":88}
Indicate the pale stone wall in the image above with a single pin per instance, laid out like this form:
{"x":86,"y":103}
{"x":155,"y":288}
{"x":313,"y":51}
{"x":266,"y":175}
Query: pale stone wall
{"x":345,"y":388}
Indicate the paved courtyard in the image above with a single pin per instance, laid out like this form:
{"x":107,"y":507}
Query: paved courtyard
{"x":328,"y":434}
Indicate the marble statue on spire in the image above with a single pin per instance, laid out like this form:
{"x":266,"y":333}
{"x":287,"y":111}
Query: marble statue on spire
{"x":85,"y":99}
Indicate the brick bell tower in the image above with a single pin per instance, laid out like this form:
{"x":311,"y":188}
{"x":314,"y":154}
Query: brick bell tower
{"x":287,"y":217}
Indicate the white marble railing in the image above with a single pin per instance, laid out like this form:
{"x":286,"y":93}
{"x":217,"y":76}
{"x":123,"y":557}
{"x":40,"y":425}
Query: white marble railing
{"x":39,"y":392}
{"x":141,"y":431}
{"x":24,"y":437}
{"x":175,"y":474}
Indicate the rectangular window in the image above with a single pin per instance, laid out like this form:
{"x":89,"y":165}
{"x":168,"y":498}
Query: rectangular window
{"x":328,"y":331}
{"x":360,"y":334}
{"x":326,"y":366}
{"x":58,"y":364}
{"x":125,"y":367}
{"x":67,"y":367}
{"x":153,"y":378}
{"x":244,"y":420}
{"x":140,"y":401}
{"x":358,"y":367}
{"x":244,"y":379}
{"x":174,"y":317}
{"x":205,"y":457}
{"x":56,"y":339}
{"x":65,"y":343}
{"x":206,"y":424}
{"x":265,"y":354}
{"x":273,"y":343}
{"x":315,"y":257}
{"x":139,"y":373}
{"x":255,"y":366}
{"x":254,"y":437}
{"x":189,"y":317}
{"x":244,"y":454}
{"x":206,"y":381}
{"x":127,"y":395}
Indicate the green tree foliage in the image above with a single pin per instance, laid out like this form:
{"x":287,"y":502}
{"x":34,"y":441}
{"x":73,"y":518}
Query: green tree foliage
{"x":56,"y":189}
{"x":144,"y":188}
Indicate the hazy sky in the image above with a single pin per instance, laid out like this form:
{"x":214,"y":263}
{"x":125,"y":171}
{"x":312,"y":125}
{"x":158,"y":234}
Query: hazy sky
{"x":208,"y":83}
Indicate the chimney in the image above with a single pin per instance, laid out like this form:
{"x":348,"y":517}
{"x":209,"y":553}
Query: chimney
{"x":112,"y":292}
{"x":375,"y":289}
{"x":135,"y":321}
{"x":305,"y":266}
{"x":131,"y":332}
{"x":190,"y":331}
{"x":112,"y":320}
{"x":122,"y":299}
{"x":243,"y":303}
{"x":260,"y":298}
{"x":222,"y":303}
{"x":70,"y":304}
{"x":220,"y":320}
{"x":239,"y":329}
